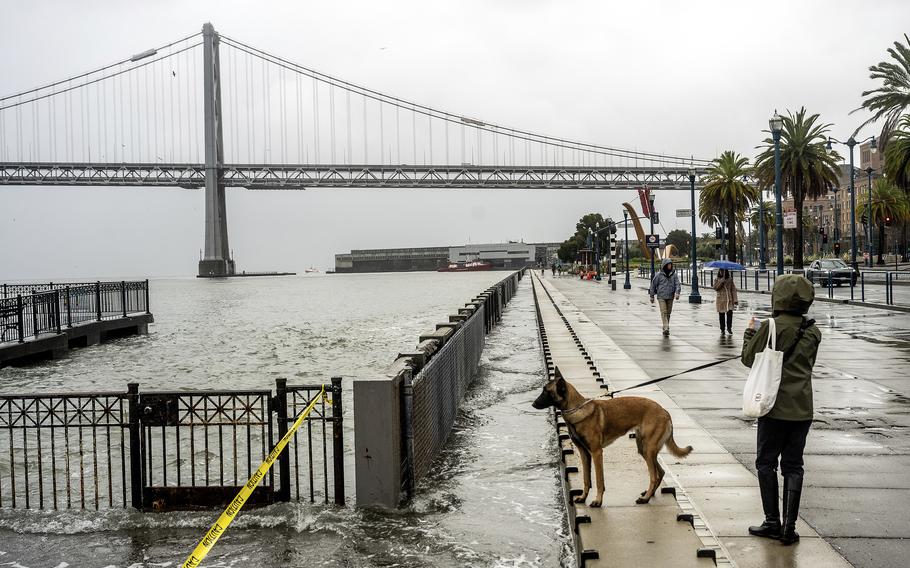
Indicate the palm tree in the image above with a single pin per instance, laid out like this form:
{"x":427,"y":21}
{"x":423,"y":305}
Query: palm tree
{"x":889,"y":205}
{"x":808,"y":169}
{"x":725,"y":194}
{"x":892,"y":98}
{"x":897,"y":155}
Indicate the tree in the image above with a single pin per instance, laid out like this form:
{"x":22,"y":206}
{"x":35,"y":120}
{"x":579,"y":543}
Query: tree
{"x":892,"y":98}
{"x":726,"y":196}
{"x":889,"y":205}
{"x":808,"y":169}
{"x":681,"y":240}
{"x":897,"y":155}
{"x":568,"y":250}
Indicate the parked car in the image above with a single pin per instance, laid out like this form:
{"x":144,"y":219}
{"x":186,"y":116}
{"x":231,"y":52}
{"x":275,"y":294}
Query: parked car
{"x":841,"y":272}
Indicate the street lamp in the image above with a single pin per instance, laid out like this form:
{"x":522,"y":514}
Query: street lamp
{"x":776,"y":123}
{"x":694,"y":296}
{"x":597,"y":249}
{"x":625,"y":221}
{"x":851,"y":143}
{"x":869,"y":243}
{"x":651,"y":214}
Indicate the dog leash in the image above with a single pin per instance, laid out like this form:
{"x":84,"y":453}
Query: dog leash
{"x":652,"y":381}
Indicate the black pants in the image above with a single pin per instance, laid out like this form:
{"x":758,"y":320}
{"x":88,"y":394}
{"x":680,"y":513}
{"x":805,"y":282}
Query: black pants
{"x":784,"y":440}
{"x":729,"y":318}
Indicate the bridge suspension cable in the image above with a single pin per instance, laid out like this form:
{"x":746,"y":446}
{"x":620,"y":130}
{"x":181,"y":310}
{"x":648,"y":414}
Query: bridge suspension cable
{"x":462,"y":121}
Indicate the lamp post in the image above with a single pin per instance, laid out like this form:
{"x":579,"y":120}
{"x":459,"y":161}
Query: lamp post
{"x":749,"y":223}
{"x":869,"y":244}
{"x":694,"y":296}
{"x":625,"y":221}
{"x":597,"y":249}
{"x":851,"y":143}
{"x":776,"y":123}
{"x":651,"y":215}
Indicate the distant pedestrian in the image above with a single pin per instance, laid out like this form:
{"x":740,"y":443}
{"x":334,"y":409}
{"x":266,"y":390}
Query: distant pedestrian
{"x":782,"y":432}
{"x":553,"y":268}
{"x":726,"y":299}
{"x":666,"y":287}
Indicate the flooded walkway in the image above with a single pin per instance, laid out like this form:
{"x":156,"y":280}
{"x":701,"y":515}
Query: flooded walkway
{"x":857,"y":493}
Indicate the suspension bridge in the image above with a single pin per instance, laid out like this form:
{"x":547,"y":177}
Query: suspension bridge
{"x":236,"y":116}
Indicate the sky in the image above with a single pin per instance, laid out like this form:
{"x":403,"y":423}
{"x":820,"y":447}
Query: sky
{"x":683,"y":78}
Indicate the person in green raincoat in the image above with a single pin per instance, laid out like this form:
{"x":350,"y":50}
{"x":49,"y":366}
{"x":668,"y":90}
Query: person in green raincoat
{"x":782,"y":432}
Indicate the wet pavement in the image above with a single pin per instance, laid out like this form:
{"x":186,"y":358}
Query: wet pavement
{"x":857,"y":494}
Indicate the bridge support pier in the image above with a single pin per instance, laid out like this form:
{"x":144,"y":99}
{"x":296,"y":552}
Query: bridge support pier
{"x":217,"y":260}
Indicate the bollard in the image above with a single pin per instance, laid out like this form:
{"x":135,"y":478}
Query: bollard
{"x":830,"y":286}
{"x":862,"y":286}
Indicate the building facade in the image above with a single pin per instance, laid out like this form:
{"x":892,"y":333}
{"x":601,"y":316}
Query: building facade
{"x":505,"y":256}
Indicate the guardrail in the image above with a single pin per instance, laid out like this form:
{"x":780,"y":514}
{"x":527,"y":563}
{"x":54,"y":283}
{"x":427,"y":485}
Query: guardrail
{"x":402,"y":421}
{"x":28,"y":310}
{"x":869,"y":286}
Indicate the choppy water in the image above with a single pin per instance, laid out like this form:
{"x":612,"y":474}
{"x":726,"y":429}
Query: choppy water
{"x":492,"y":499}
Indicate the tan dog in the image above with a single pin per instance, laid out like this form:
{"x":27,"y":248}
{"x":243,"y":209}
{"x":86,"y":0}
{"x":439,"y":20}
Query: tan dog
{"x":595,"y":424}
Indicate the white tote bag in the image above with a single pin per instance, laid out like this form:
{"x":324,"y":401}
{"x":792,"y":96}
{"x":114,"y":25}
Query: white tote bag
{"x":764,"y":377}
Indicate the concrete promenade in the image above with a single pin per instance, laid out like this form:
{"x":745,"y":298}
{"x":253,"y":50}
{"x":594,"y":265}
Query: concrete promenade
{"x":857,"y":493}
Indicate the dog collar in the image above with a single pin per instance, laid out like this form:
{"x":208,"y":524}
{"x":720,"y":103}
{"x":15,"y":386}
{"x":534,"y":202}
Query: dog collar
{"x":571,"y":410}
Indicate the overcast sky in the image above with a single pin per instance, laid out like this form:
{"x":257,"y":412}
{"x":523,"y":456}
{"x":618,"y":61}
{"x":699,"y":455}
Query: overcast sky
{"x":684,"y":78}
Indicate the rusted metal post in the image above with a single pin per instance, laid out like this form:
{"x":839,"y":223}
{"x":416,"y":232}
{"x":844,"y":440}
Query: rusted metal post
{"x":148,"y":307}
{"x":284,"y":461}
{"x":338,"y":440}
{"x":123,"y":297}
{"x":98,"y":300}
{"x":20,"y":327}
{"x":69,"y":309}
{"x":136,"y":480}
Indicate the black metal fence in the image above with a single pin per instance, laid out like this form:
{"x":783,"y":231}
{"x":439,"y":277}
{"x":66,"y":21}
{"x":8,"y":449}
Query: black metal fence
{"x":167,"y":450}
{"x":28,"y":310}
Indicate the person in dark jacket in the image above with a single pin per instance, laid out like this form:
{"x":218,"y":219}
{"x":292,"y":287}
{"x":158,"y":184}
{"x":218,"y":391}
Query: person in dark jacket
{"x":666,"y":287}
{"x":725,"y":299}
{"x":782,"y":432}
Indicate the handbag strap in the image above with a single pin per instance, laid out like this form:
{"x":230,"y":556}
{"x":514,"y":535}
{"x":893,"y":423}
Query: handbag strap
{"x":772,"y":335}
{"x":806,"y":324}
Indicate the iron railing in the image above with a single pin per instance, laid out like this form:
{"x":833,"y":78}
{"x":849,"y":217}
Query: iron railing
{"x":167,"y":450}
{"x":28,"y":310}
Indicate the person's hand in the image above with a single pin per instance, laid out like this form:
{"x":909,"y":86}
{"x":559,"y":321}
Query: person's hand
{"x":677,"y":296}
{"x":652,"y":299}
{"x":736,"y":304}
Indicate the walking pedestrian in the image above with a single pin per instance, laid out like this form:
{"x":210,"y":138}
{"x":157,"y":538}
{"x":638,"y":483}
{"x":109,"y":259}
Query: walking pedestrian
{"x":782,"y":432}
{"x":725,"y":299}
{"x":666,"y":287}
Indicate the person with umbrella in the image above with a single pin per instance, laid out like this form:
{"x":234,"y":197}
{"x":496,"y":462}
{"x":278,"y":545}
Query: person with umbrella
{"x":725,"y":299}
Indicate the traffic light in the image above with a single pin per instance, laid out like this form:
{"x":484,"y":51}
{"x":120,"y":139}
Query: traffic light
{"x":719,"y":232}
{"x":887,"y":220}
{"x":837,"y":249}
{"x":821,"y":230}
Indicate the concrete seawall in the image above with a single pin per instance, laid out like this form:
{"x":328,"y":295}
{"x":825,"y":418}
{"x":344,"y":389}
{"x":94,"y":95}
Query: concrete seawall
{"x":403,"y":419}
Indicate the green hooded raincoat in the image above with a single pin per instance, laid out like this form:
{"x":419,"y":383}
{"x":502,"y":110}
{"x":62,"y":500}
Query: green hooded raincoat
{"x":790,"y":300}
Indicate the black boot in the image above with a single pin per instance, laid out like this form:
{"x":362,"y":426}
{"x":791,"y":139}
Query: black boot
{"x":767,"y":484}
{"x":721,"y":318}
{"x":793,"y":486}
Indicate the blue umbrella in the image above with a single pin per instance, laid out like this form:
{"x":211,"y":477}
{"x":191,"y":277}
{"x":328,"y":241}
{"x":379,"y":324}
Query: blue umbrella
{"x":725,"y":264}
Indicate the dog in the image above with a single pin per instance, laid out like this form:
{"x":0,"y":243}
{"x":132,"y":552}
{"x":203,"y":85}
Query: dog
{"x":595,"y":424}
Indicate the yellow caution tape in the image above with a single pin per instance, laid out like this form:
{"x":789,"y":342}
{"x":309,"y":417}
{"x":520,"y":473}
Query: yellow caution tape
{"x":214,"y":533}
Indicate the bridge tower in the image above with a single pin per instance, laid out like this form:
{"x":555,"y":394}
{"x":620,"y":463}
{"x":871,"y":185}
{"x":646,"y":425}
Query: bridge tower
{"x":217,"y":260}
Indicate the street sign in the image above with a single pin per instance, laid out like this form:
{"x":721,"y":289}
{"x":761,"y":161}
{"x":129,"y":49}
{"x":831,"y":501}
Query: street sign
{"x":652,"y":241}
{"x":789,"y":219}
{"x":655,"y":218}
{"x":683,"y":212}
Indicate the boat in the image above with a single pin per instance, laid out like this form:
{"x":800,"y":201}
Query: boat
{"x":472,"y":266}
{"x":311,"y":270}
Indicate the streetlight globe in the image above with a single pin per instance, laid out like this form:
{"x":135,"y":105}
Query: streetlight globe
{"x":873,"y":147}
{"x":828,"y":145}
{"x":776,"y":123}
{"x":691,"y":172}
